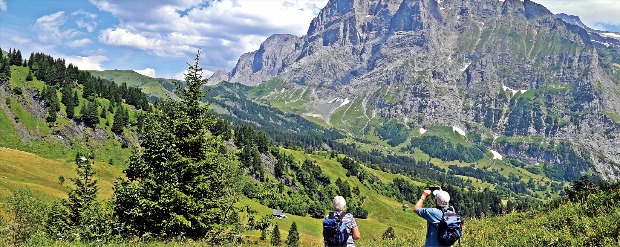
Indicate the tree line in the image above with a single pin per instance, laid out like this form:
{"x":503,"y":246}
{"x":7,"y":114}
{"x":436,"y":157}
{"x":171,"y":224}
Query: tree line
{"x":73,"y":85}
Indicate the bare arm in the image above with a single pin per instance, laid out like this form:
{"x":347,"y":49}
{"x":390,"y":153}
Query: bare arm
{"x":356,"y":233}
{"x":420,"y":202}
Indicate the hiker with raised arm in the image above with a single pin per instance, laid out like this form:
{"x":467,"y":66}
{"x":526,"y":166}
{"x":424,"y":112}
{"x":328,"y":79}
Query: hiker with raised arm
{"x":443,"y":226}
{"x":339,"y":228}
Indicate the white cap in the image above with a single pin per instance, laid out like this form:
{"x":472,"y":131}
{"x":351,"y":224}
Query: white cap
{"x":442,"y":198}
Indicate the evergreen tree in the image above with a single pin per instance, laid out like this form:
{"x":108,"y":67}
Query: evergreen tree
{"x":85,"y":190}
{"x":221,"y":127}
{"x":15,"y":57}
{"x":29,"y":76}
{"x":76,"y":99}
{"x":89,"y":114}
{"x":120,"y":119}
{"x":70,"y":111}
{"x":5,"y":70}
{"x":51,"y":115}
{"x":67,"y":96}
{"x":293,"y":236}
{"x":275,"y":236}
{"x":182,"y":181}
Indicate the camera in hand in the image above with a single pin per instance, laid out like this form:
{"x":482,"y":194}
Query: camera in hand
{"x":432,"y":188}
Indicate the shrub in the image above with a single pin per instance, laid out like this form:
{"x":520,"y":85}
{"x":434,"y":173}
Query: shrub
{"x":26,"y":215}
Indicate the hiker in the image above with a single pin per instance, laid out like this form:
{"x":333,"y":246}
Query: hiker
{"x":337,"y":220}
{"x":433,"y":215}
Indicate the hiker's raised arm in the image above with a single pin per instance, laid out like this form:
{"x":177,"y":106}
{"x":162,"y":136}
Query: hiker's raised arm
{"x":420,"y":202}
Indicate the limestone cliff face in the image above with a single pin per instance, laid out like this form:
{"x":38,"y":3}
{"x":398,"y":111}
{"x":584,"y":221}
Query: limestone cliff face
{"x":273,"y":56}
{"x":506,"y":66}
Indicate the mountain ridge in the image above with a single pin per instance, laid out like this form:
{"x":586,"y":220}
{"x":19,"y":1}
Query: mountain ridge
{"x":456,"y":63}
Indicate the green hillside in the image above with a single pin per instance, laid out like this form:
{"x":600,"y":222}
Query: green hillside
{"x":155,"y":87}
{"x":587,"y":221}
{"x":21,"y":170}
{"x":297,"y":167}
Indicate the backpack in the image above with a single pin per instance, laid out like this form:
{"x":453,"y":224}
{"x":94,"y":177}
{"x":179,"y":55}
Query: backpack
{"x":450,"y":227}
{"x":334,"y":231}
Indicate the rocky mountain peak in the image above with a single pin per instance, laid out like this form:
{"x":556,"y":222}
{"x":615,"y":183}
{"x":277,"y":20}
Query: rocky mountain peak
{"x":450,"y":62}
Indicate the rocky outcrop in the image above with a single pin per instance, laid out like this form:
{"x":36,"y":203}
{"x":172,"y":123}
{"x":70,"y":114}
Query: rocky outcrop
{"x":450,"y":62}
{"x":267,"y":62}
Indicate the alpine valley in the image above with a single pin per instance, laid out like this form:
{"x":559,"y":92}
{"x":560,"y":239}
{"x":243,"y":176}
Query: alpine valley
{"x":508,"y":73}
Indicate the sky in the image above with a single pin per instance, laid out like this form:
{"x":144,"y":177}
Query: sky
{"x":159,"y":38}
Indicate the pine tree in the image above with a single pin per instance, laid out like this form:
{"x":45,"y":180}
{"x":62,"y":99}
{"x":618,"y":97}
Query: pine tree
{"x":85,"y":190}
{"x":76,"y":99}
{"x":120,"y":119}
{"x":70,"y":111}
{"x":275,"y":236}
{"x":89,"y":114}
{"x":293,"y":236}
{"x":182,"y":181}
{"x":51,"y":115}
{"x":67,"y":96}
{"x":5,"y":70}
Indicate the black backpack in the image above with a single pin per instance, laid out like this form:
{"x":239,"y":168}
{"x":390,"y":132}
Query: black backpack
{"x":450,"y":227}
{"x":334,"y":231}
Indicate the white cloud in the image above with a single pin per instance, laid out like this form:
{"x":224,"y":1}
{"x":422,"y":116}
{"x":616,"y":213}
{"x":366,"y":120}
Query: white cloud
{"x":147,"y":72}
{"x":223,"y":29}
{"x":83,"y":22}
{"x":89,"y":26}
{"x":172,"y":45}
{"x":79,"y":42}
{"x":20,"y":40}
{"x":86,"y":63}
{"x":48,"y":28}
{"x":3,"y":5}
{"x":85,"y":14}
{"x":124,"y":37}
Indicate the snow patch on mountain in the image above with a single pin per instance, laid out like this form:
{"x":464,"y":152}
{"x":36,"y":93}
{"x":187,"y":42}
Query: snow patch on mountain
{"x":458,"y":130}
{"x":344,"y":102}
{"x":313,"y":115}
{"x":496,"y":155}
{"x":611,"y":35}
{"x":512,"y":91}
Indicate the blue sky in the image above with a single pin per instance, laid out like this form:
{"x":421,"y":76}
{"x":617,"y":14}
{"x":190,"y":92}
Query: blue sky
{"x":158,"y":38}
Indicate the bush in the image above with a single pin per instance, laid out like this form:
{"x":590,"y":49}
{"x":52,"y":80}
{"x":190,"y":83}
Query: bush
{"x":18,"y":90}
{"x":389,"y":234}
{"x":26,"y":215}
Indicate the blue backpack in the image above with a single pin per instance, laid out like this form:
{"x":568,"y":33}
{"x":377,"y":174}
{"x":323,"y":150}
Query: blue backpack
{"x":334,"y":231}
{"x":450,"y":227}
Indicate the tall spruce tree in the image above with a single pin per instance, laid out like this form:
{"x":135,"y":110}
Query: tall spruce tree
{"x":85,"y":190}
{"x":293,"y":236}
{"x":181,"y":181}
{"x":121,"y":118}
{"x":275,"y":236}
{"x":89,"y":114}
